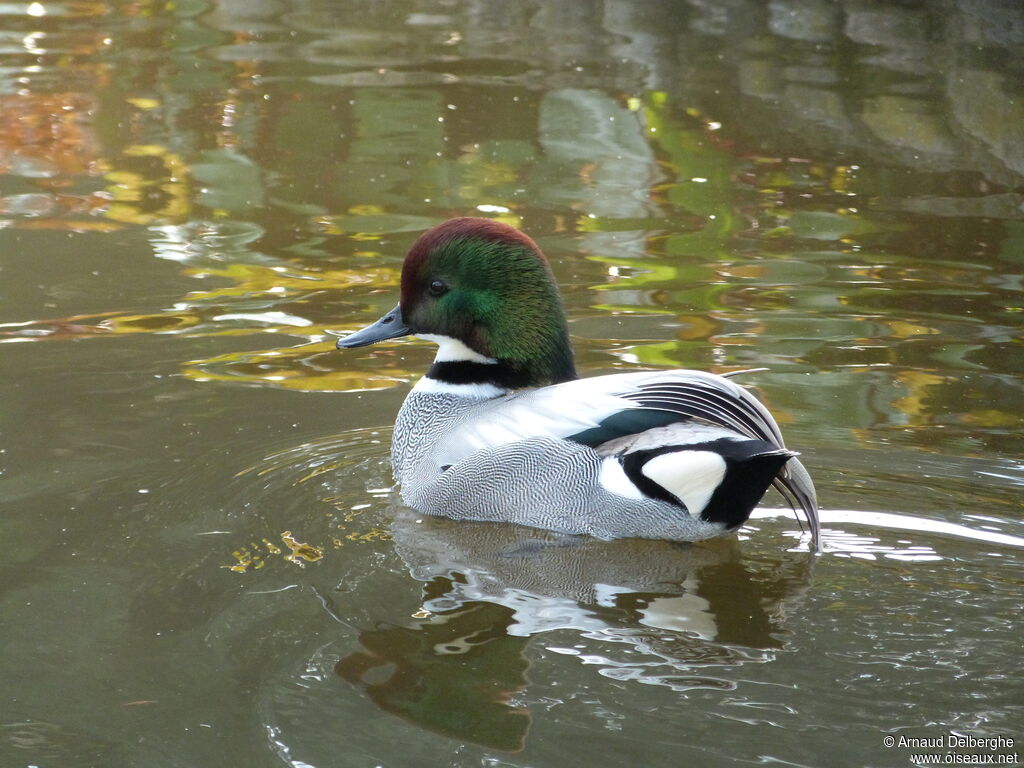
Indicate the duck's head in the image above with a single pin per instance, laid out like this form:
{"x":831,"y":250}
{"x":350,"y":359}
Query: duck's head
{"x":484,"y":292}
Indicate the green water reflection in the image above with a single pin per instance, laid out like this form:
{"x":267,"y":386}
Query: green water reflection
{"x":202,"y":560}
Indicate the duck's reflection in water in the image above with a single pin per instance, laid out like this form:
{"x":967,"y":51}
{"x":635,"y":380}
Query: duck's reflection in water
{"x":460,"y":667}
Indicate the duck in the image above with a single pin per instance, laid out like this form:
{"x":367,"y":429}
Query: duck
{"x":501,"y":428}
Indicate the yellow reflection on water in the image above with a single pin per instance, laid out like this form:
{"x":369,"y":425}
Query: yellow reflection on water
{"x":279,"y":280}
{"x":147,"y":183}
{"x":300,"y":552}
{"x":295,"y":368}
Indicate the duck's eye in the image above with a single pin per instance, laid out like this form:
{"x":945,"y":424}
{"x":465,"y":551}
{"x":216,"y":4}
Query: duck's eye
{"x":438,"y":287}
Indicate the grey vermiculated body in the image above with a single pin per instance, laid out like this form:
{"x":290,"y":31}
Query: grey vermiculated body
{"x":541,"y":482}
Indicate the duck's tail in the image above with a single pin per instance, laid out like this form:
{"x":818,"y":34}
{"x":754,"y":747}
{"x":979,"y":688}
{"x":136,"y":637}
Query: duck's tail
{"x":794,"y":483}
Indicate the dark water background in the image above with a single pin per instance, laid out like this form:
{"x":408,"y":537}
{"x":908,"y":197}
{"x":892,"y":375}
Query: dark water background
{"x":201,"y":559}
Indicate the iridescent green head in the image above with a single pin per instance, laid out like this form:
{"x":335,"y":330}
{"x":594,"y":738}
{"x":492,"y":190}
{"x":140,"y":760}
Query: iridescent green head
{"x":488,"y":286}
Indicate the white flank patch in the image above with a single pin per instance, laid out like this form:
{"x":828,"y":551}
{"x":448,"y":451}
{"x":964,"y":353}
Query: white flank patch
{"x":615,"y":480}
{"x":485,"y":391}
{"x":451,"y":350}
{"x":692,"y":476}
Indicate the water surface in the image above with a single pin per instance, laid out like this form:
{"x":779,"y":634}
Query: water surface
{"x":204,"y":562}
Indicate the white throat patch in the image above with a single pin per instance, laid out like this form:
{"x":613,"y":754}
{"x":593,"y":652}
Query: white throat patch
{"x":451,"y":350}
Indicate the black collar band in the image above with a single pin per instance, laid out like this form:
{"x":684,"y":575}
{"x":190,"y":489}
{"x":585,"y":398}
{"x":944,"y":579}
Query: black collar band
{"x":471,"y":372}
